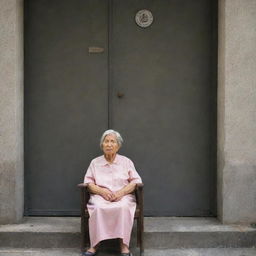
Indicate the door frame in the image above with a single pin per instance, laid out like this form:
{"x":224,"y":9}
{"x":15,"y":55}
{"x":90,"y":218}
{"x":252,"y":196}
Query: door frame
{"x":15,"y":212}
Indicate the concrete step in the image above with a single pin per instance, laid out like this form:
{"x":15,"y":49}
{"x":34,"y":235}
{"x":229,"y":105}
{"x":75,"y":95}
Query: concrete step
{"x":169,"y":233}
{"x":148,"y":252}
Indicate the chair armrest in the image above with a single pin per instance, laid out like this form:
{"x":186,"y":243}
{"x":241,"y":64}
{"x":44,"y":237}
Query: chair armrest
{"x":139,"y":188}
{"x":139,"y":185}
{"x":139,"y":196}
{"x":82,"y":185}
{"x":85,"y":196}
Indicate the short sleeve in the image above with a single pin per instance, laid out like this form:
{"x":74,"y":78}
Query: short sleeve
{"x":133,"y":175}
{"x":89,"y":177}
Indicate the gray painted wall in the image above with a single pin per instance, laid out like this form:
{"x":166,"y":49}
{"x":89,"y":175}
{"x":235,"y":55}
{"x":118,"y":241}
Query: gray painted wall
{"x":11,"y":111}
{"x":237,"y":111}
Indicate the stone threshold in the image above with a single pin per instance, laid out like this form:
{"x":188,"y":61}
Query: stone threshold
{"x":160,"y":232}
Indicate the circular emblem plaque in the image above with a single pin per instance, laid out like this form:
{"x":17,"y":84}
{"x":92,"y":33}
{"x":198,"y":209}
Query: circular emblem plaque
{"x":144,"y":18}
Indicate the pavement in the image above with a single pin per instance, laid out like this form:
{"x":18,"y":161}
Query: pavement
{"x":151,"y":252}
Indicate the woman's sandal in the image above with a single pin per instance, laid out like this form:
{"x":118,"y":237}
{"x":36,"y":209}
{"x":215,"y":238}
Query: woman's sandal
{"x":87,"y":253}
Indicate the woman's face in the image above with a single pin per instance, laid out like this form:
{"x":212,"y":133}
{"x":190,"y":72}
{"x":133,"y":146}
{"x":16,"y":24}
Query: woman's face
{"x":110,"y":145}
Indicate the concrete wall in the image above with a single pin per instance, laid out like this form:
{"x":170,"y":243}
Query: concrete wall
{"x":11,"y":111}
{"x":237,"y":111}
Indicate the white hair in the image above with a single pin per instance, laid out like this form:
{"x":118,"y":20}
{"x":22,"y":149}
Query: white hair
{"x":119,"y":138}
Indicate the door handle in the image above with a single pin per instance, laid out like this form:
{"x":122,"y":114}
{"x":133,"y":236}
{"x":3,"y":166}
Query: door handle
{"x":120,"y":95}
{"x":94,"y":49}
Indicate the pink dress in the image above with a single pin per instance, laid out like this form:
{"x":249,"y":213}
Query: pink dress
{"x":111,"y":219}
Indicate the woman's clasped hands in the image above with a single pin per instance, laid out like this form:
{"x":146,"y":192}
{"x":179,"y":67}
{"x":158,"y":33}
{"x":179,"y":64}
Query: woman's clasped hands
{"x":111,"y":196}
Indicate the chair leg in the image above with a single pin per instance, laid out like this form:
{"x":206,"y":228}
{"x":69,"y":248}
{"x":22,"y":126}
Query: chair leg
{"x":87,"y":235}
{"x":142,"y":244}
{"x":138,"y":232}
{"x":141,"y":235}
{"x":83,"y":236}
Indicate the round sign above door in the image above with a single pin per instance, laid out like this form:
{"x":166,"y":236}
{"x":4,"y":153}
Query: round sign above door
{"x":144,"y":18}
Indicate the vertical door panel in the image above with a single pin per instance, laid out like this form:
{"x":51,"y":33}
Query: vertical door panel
{"x":65,"y":97}
{"x":165,"y":74}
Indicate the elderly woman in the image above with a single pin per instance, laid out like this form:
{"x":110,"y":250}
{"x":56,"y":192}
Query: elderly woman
{"x":111,"y":179}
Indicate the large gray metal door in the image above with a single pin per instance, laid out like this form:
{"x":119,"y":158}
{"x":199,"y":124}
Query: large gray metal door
{"x":156,"y":85}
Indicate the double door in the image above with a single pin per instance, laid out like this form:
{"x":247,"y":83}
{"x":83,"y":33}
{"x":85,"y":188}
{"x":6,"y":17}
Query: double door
{"x":89,"y":67}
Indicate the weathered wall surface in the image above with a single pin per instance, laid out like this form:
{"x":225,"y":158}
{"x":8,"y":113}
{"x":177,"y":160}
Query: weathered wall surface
{"x":11,"y":111}
{"x":237,"y":111}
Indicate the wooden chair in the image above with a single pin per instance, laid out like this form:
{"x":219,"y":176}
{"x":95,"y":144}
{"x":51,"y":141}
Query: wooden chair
{"x":139,"y":216}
